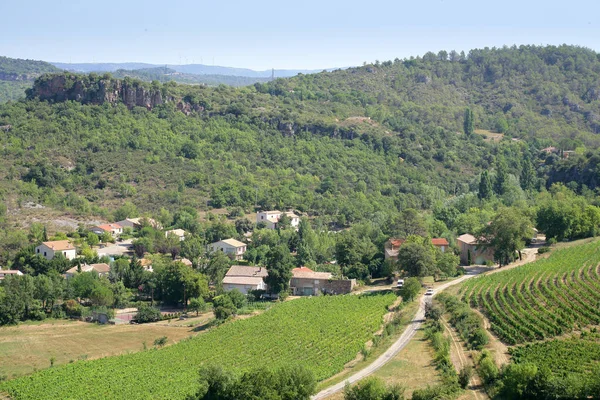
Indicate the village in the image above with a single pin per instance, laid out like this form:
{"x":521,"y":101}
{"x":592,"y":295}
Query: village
{"x":112,"y":251}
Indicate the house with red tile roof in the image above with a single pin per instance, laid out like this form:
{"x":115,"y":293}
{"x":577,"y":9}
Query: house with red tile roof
{"x":114,"y":229}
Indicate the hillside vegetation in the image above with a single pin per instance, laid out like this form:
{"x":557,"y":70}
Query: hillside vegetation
{"x":319,"y":333}
{"x":350,"y":144}
{"x":17,"y":75}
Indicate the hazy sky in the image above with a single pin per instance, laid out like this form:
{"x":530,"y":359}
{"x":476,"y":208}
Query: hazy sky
{"x":294,"y":34}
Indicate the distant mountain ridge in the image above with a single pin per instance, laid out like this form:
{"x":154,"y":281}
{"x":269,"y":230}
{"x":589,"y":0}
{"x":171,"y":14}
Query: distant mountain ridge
{"x":197,"y":69}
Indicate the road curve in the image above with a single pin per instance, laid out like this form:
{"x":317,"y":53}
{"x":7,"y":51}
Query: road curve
{"x":399,"y":344}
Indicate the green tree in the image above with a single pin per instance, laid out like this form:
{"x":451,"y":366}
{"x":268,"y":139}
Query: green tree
{"x":197,"y":304}
{"x":146,"y":313}
{"x":417,"y":259}
{"x":411,"y":289}
{"x":507,"y":233}
{"x":501,"y":176}
{"x":237,"y":298}
{"x":102,"y":295}
{"x":127,"y":210}
{"x":223,"y":307}
{"x":485,"y":186}
{"x":279,"y":268}
{"x":217,"y":267}
{"x":92,"y":239}
{"x":447,"y":263}
{"x":468,"y":122}
{"x":528,"y":174}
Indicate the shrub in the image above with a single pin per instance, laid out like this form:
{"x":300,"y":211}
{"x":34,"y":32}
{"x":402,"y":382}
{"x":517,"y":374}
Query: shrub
{"x":147,"y":313}
{"x":544,"y":249}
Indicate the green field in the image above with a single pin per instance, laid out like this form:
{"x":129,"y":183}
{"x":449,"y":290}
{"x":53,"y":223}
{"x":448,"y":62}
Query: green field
{"x":543,"y":299}
{"x":320,"y":333}
{"x":568,"y":368}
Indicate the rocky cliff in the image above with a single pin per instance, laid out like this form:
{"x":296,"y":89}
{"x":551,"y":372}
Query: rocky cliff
{"x":93,"y":89}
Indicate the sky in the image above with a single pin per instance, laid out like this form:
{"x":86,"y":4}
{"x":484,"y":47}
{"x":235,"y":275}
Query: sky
{"x":306,"y":34}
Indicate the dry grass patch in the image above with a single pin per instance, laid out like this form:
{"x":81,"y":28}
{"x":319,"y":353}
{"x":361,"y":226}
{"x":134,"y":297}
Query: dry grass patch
{"x":28,"y":347}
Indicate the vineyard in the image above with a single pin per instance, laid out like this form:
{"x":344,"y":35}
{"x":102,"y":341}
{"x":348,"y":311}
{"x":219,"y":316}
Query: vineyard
{"x":569,"y":367}
{"x":321,"y":334}
{"x":543,"y":299}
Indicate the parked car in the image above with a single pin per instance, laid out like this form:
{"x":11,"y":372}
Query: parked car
{"x":429,"y":292}
{"x":400,"y":283}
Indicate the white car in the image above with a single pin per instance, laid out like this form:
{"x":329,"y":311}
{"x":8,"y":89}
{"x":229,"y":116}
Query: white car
{"x":400,"y":283}
{"x":429,"y":292}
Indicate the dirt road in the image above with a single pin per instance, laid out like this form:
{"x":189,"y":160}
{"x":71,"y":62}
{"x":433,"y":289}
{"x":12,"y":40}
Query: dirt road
{"x":402,"y":340}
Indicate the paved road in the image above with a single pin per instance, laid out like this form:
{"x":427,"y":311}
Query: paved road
{"x":399,"y":344}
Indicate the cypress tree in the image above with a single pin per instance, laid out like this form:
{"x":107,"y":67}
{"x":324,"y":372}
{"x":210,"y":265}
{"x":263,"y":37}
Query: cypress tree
{"x":527,"y":174}
{"x":468,"y":124}
{"x":485,"y":186}
{"x":501,"y":176}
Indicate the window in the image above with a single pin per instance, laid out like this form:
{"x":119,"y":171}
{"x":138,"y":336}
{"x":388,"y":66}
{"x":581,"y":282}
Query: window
{"x":64,"y":253}
{"x":44,"y":254}
{"x":262,"y":217}
{"x":37,"y":250}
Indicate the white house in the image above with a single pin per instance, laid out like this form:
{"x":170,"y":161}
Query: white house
{"x":6,"y":272}
{"x":102,"y":269}
{"x":180,"y":233}
{"x":113,"y":229}
{"x":233,"y":248}
{"x":270,"y":218}
{"x":49,"y":249}
{"x":136,"y":223}
{"x":245,"y":279}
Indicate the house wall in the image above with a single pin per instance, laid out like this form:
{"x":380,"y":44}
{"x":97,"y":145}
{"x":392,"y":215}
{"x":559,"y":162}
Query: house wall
{"x":245,"y":289}
{"x":339,"y":286}
{"x":233,"y":252}
{"x":264,"y":217}
{"x":479,"y":254}
{"x":49,"y":254}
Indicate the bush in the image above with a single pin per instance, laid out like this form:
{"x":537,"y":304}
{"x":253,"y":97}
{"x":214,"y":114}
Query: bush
{"x":544,"y":249}
{"x":147,"y":313}
{"x":487,"y":369}
{"x":72,"y":308}
{"x":465,"y":375}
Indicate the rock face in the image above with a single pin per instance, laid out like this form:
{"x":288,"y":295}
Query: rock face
{"x":98,"y":90}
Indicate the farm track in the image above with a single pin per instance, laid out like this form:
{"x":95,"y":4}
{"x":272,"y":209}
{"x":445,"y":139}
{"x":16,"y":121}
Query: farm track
{"x":462,"y":357}
{"x":395,"y":348}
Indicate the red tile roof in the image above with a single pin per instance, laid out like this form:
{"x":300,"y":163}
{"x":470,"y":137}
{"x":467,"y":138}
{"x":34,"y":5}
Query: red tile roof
{"x":59,"y":245}
{"x":109,"y":227}
{"x":439,"y":242}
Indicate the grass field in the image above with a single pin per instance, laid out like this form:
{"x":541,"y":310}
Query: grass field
{"x":319,"y":333}
{"x":28,"y":347}
{"x":412,"y":367}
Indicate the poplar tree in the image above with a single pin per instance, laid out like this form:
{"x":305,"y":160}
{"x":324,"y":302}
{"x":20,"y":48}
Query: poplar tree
{"x":468,"y":125}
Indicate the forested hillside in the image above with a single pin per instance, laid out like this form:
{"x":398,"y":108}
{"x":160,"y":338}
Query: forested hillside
{"x":16,"y":75}
{"x":356,"y":144}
